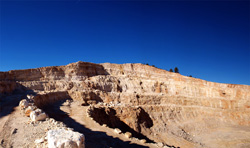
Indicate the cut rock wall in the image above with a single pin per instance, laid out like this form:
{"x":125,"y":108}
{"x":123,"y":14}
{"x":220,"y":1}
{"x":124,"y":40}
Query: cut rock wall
{"x":179,"y":106}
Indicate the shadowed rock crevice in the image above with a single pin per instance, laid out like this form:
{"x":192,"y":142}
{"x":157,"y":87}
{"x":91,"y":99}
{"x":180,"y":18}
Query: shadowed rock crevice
{"x":109,"y":117}
{"x":144,"y":119}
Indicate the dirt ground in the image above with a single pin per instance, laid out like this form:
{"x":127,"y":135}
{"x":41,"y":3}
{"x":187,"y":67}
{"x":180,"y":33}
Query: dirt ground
{"x":18,"y":132}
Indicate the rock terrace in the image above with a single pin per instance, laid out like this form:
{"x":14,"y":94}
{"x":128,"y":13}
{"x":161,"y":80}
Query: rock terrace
{"x":125,"y":105}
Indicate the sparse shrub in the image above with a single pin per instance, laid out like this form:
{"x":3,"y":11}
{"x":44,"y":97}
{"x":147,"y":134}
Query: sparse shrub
{"x":176,"y":70}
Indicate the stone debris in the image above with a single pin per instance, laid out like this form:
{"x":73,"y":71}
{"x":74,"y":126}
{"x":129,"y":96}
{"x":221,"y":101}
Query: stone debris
{"x":38,"y":115}
{"x":30,"y":97}
{"x":23,"y":104}
{"x":61,"y":138}
{"x":70,"y":129}
{"x":128,"y":135}
{"x":143,"y":141}
{"x":41,"y":140}
{"x":117,"y":130}
{"x":29,"y":109}
{"x":160,"y":144}
{"x":51,"y":120}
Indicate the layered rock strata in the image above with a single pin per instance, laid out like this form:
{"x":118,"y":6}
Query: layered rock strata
{"x":164,"y":107}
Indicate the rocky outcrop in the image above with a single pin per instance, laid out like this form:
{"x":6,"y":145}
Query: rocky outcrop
{"x":30,"y":110}
{"x":165,"y":107}
{"x":61,"y":138}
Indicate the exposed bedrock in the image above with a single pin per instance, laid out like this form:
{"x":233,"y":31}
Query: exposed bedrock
{"x":160,"y":105}
{"x":130,"y":119}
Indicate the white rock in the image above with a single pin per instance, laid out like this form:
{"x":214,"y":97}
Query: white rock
{"x":128,"y":135}
{"x":30,"y":97}
{"x":117,"y":130}
{"x":24,"y":104}
{"x":160,"y":144}
{"x":37,"y":115}
{"x":143,"y":141}
{"x":51,"y":120}
{"x":39,"y":140}
{"x":61,"y":138}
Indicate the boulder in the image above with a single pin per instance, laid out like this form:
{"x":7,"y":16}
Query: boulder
{"x":61,"y":138}
{"x":23,"y":104}
{"x":37,"y":115}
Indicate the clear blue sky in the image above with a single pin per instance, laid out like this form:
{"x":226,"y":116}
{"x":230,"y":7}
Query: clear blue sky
{"x":206,"y":39}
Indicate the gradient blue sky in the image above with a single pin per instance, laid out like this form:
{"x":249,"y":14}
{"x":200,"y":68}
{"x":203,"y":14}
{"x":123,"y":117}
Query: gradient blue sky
{"x":206,"y":39}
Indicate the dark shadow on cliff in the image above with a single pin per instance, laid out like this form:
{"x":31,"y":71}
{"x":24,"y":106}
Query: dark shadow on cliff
{"x":89,"y":69}
{"x":8,"y":101}
{"x":109,"y":117}
{"x":93,"y":139}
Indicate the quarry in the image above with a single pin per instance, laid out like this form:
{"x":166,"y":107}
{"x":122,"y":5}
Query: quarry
{"x":120,"y":105}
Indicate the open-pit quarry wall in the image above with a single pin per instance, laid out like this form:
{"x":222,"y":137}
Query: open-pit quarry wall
{"x":162,"y":106}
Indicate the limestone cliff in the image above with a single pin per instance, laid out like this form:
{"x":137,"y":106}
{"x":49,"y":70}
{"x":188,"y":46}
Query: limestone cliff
{"x":162,"y":106}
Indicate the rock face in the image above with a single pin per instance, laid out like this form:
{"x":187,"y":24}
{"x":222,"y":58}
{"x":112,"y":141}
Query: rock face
{"x":65,"y":139}
{"x":162,"y":106}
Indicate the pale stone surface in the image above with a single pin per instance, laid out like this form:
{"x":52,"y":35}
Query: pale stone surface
{"x":39,"y":140}
{"x":61,"y":138}
{"x":118,"y":131}
{"x":37,"y":115}
{"x":23,"y":104}
{"x":143,"y":141}
{"x":128,"y":135}
{"x":30,"y":97}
